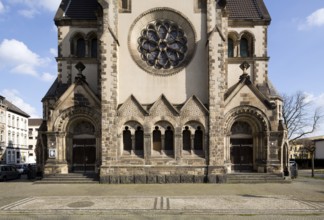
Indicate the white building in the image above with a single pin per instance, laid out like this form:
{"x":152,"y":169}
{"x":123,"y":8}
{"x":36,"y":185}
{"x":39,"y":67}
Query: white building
{"x":33,"y":126}
{"x":319,"y":148}
{"x":3,"y":110}
{"x":13,"y":133}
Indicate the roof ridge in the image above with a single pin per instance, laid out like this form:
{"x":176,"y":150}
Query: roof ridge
{"x":258,"y":8}
{"x":67,"y":7}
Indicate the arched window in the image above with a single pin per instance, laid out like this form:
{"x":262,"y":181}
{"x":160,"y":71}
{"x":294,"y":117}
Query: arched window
{"x":230,"y":47}
{"x":198,"y":141}
{"x":186,"y":139}
{"x":139,"y":139}
{"x":157,"y":145}
{"x":244,"y":47}
{"x":80,"y":47}
{"x":168,"y":139}
{"x":127,"y":139}
{"x":94,"y":47}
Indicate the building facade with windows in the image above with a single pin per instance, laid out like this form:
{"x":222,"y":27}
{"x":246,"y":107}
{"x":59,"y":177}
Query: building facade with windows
{"x":13,"y":133}
{"x":162,"y":91}
{"x":33,"y":127}
{"x":3,"y":110}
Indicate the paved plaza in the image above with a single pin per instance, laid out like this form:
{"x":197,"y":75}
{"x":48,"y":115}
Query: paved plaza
{"x":302,"y":199}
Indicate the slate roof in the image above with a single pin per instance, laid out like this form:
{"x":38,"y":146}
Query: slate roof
{"x":237,"y":10}
{"x":78,"y":9}
{"x":56,"y":90}
{"x":247,"y":10}
{"x":35,"y":121}
{"x":12,"y":108}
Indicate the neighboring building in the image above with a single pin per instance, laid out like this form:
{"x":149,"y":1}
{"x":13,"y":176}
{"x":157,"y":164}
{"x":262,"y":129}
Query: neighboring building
{"x":14,"y":136}
{"x":33,"y":126}
{"x":3,"y":110}
{"x":319,"y":148}
{"x":299,"y":151}
{"x":162,"y":91}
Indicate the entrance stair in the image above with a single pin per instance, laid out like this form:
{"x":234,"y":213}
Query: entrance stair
{"x":70,"y":178}
{"x":255,"y":178}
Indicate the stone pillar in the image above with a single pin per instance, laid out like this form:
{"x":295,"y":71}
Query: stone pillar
{"x":216,"y":68}
{"x":147,"y":148}
{"x":177,"y":147}
{"x":109,"y":90}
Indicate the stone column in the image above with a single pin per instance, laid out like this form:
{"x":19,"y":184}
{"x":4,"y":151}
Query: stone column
{"x":147,"y":148}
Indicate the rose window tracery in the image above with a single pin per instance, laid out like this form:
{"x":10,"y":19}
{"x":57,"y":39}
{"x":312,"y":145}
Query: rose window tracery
{"x":162,"y":41}
{"x":162,"y":44}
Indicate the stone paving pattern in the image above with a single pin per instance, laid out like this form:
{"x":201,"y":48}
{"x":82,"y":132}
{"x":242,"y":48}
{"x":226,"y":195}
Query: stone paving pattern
{"x":302,"y":199}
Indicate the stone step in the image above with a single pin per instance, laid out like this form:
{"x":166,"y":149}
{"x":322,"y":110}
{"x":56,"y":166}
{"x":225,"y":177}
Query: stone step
{"x":255,"y":178}
{"x":70,"y":178}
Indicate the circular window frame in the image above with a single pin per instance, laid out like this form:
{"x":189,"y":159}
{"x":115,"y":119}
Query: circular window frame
{"x":158,"y":14}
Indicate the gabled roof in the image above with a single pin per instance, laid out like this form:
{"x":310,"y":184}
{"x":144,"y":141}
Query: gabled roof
{"x":247,"y":10}
{"x":245,"y":80}
{"x":12,"y":108}
{"x":77,"y":9}
{"x":237,"y":9}
{"x":56,"y":90}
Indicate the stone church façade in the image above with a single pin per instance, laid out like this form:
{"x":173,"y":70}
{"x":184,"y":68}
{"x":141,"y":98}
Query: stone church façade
{"x":162,"y":91}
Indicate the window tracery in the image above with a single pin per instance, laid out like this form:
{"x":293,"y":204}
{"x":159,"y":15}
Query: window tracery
{"x":163,"y":44}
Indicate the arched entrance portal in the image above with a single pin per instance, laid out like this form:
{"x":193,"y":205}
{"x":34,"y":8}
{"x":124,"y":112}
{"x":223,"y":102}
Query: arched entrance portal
{"x":83,"y":147}
{"x":241,"y":152}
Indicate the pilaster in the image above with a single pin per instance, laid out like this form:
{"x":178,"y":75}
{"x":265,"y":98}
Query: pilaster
{"x":216,"y":87}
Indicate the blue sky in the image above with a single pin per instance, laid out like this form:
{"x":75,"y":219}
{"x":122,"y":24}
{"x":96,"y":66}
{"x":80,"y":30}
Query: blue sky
{"x":28,"y":42}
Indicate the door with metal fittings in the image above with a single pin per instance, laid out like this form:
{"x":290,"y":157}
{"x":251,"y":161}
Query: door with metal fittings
{"x":242,"y":155}
{"x":84,"y":155}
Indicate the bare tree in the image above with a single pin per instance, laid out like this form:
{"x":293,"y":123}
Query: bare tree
{"x":300,"y":116}
{"x":309,"y":146}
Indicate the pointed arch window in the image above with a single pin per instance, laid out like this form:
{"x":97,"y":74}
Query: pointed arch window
{"x":230,"y":47}
{"x":94,"y":47}
{"x":244,"y":47}
{"x":80,"y":47}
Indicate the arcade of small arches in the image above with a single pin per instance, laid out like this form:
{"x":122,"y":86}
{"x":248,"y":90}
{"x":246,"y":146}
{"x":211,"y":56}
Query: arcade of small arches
{"x":164,"y":140}
{"x":240,"y":45}
{"x":84,"y":45}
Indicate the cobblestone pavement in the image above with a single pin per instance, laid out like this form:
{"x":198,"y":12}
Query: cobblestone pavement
{"x":302,"y":199}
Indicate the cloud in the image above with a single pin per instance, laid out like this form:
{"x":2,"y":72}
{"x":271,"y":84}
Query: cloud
{"x":317,"y":102}
{"x":53,"y":51}
{"x":28,"y":13}
{"x":14,"y":97}
{"x":30,"y":8}
{"x":17,"y":55}
{"x":2,"y":8}
{"x":19,"y":59}
{"x":316,"y":19}
{"x":48,"y":77}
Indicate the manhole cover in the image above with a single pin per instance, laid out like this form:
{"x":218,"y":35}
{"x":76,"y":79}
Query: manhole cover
{"x":80,"y":204}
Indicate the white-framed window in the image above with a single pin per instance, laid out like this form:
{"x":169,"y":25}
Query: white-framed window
{"x":13,"y":121}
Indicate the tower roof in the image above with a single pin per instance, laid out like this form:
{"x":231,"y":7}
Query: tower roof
{"x":237,"y":10}
{"x":247,"y":10}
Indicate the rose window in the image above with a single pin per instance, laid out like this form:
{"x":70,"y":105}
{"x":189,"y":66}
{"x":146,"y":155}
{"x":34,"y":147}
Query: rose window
{"x":162,"y":44}
{"x":162,"y":41}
